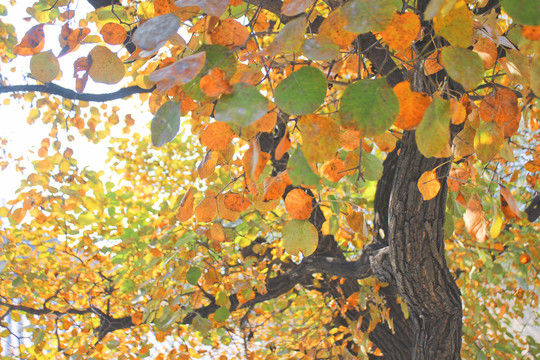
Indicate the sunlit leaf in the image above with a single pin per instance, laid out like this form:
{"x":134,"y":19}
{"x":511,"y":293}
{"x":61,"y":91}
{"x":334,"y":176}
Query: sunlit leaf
{"x":509,"y":204}
{"x":185,"y":210}
{"x":475,"y":222}
{"x":369,"y":106}
{"x":320,"y":48}
{"x":429,"y":185}
{"x":320,"y":135}
{"x":295,"y":7}
{"x":298,"y":204}
{"x":180,"y":72}
{"x":488,"y":140}
{"x":289,"y":40}
{"x":166,"y":123}
{"x":300,"y":236}
{"x":412,"y":106}
{"x":456,"y":25}
{"x":211,"y":7}
{"x":32,"y":42}
{"x":230,"y":33}
{"x":501,"y":106}
{"x":216,"y":136}
{"x":113,"y":34}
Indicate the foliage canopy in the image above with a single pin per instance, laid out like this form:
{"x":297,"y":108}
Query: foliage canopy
{"x":268,"y":209}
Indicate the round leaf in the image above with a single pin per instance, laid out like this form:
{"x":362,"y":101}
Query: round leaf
{"x":44,"y":66}
{"x":243,"y":107}
{"x":369,"y":106}
{"x":302,"y":92}
{"x":368,"y":15}
{"x":222,"y":314}
{"x":106,"y":67}
{"x":300,"y":236}
{"x":526,"y":12}
{"x":166,"y":123}
{"x":320,"y":48}
{"x":463,"y":65}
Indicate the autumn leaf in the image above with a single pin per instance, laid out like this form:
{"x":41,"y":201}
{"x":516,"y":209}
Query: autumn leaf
{"x":456,"y":178}
{"x":211,"y":7}
{"x":207,"y":166}
{"x":509,"y":204}
{"x":320,"y":48}
{"x":230,"y":33}
{"x":113,"y":34}
{"x":185,"y":210}
{"x":206,"y":210}
{"x":402,"y":31}
{"x":464,"y":66}
{"x":105,"y":66}
{"x":488,"y":140}
{"x":475,"y":222}
{"x":501,"y":106}
{"x":320,"y":135}
{"x":180,"y":72}
{"x":216,"y":136}
{"x":368,"y":15}
{"x":333,"y":28}
{"x":243,"y":107}
{"x":155,"y":32}
{"x":71,"y":39}
{"x":32,"y":42}
{"x":334,"y":170}
{"x":215,"y":83}
{"x":456,"y":25}
{"x":295,"y":7}
{"x":289,"y":39}
{"x":487,"y":50}
{"x":236,"y":202}
{"x":44,"y":66}
{"x":429,"y":185}
{"x":526,"y":12}
{"x":300,"y":236}
{"x":298,"y":204}
{"x":412,"y":106}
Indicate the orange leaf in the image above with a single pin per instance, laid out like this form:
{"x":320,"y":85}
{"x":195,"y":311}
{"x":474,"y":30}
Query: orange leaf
{"x":355,"y":219}
{"x":501,"y":106}
{"x":283,"y":146}
{"x":230,"y":33}
{"x":432,"y":64}
{"x":32,"y":42}
{"x":403,"y":31}
{"x":524,"y":258}
{"x":208,"y":164}
{"x":162,"y":7}
{"x":80,"y":72}
{"x":509,"y":204}
{"x":217,"y":233}
{"x":17,"y":216}
{"x":475,"y":223}
{"x":334,"y":170}
{"x":350,"y":139}
{"x":236,"y":202}
{"x":299,"y":204}
{"x":185,"y":211}
{"x":295,"y":7}
{"x":385,"y":142}
{"x":456,"y":178}
{"x":458,"y":111}
{"x":216,"y":136}
{"x":113,"y":34}
{"x":487,"y":50}
{"x":206,"y":210}
{"x":429,"y":185}
{"x":412,"y":106}
{"x":254,"y":161}
{"x":266,"y":123}
{"x":333,"y":28}
{"x":215,"y":83}
{"x":224,"y":212}
{"x":274,"y":186}
{"x":531,"y":32}
{"x":320,"y":137}
{"x":211,"y":7}
{"x":180,"y":72}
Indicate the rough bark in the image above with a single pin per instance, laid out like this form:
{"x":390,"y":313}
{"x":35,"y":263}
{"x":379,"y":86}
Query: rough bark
{"x":417,"y":254}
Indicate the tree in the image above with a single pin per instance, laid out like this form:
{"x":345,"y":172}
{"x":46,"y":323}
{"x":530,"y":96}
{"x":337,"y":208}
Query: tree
{"x":271,"y":227}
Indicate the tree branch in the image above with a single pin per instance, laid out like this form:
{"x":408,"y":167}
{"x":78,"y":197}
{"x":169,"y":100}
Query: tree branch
{"x":54,"y":89}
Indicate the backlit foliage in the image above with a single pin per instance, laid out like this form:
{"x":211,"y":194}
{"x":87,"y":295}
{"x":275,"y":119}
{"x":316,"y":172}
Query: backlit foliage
{"x":169,"y":254}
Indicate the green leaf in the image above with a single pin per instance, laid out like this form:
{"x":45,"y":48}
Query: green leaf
{"x":166,"y":123}
{"x":300,"y":236}
{"x":302,"y":92}
{"x":488,"y":140}
{"x":372,"y":167}
{"x":243,"y":107}
{"x":370,"y":106}
{"x":299,"y":170}
{"x":193,"y":275}
{"x":433,"y":133}
{"x":526,"y":12}
{"x":368,"y":15}
{"x":222,"y":314}
{"x":464,"y":66}
{"x":127,"y":285}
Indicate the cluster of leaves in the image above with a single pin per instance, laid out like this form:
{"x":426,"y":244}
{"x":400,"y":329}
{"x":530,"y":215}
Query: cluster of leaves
{"x":284,"y":120}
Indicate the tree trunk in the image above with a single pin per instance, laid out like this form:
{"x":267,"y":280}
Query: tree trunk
{"x":417,"y":255}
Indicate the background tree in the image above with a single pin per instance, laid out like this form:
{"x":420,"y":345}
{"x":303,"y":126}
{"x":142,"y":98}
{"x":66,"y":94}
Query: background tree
{"x":266,"y":225}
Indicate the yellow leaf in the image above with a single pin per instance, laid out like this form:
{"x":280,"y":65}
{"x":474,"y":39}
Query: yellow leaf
{"x":429,"y":185}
